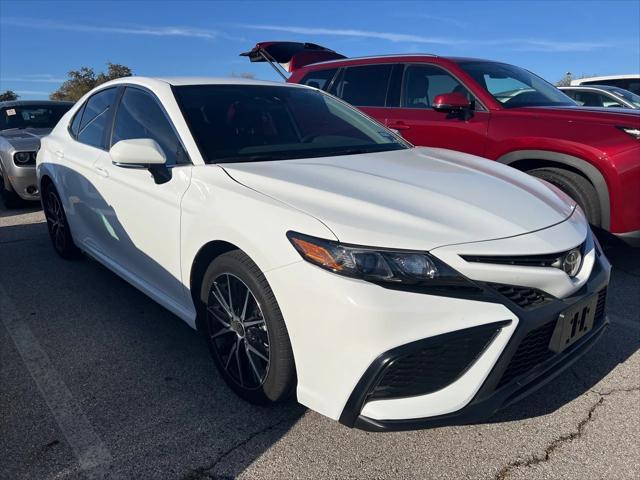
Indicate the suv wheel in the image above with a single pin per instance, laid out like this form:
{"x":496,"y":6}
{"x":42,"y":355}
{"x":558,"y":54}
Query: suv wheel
{"x":245,"y":330}
{"x":576,"y":186}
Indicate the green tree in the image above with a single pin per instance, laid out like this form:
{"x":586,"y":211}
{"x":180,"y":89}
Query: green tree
{"x":85,"y":79}
{"x":8,"y":96}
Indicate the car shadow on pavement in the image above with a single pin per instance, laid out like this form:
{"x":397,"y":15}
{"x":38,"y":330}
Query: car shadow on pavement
{"x":25,"y":207}
{"x":143,"y":377}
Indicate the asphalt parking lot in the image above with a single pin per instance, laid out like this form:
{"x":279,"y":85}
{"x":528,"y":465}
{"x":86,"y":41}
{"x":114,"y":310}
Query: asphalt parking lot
{"x":98,"y":381}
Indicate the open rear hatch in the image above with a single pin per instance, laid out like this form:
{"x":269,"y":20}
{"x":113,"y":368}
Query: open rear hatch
{"x":290,"y":55}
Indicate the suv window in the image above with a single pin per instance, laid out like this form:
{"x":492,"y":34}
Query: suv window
{"x":594,"y":99}
{"x":75,"y":124}
{"x":319,"y":78}
{"x":95,"y":117}
{"x":364,"y":86}
{"x":422,"y":83}
{"x":139,"y":116}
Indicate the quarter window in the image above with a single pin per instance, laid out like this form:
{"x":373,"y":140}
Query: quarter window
{"x":319,"y":78}
{"x":139,"y":116}
{"x":95,"y":117}
{"x":364,"y":86}
{"x":422,"y":83}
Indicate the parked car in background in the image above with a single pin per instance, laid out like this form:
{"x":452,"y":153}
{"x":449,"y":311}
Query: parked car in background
{"x":602,"y":96}
{"x":320,"y":253}
{"x":627,"y":82}
{"x":22,"y":124}
{"x":492,"y":110}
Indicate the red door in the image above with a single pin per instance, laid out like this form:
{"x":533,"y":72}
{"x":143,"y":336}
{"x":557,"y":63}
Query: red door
{"x":423,"y":126}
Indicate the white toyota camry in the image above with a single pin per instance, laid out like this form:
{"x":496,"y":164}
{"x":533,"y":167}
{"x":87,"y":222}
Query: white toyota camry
{"x":387,"y":286}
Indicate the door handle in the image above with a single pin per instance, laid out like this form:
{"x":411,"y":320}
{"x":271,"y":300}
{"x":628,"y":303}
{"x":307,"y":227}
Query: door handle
{"x":102,"y":172}
{"x":59,"y":154}
{"x":399,"y":126}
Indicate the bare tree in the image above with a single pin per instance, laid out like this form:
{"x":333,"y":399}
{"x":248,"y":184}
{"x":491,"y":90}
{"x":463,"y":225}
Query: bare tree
{"x":8,"y":96}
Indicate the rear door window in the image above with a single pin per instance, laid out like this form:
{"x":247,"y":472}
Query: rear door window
{"x":364,"y":86}
{"x":319,"y":78}
{"x":97,"y":112}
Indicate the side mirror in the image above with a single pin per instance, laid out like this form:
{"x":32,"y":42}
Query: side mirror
{"x":452,"y":103}
{"x":141,"y":153}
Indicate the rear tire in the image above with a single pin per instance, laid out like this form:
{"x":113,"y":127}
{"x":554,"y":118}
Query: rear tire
{"x":57,"y":224}
{"x":245,"y":332}
{"x":9,"y":197}
{"x":576,"y":186}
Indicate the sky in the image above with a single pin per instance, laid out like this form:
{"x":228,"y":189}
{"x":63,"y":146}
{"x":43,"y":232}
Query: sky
{"x":41,"y":41}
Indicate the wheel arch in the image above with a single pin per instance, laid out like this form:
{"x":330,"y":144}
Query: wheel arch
{"x":206,"y":254}
{"x":526,"y":160}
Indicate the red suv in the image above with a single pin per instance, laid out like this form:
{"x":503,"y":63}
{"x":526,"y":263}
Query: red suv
{"x":490,"y":109}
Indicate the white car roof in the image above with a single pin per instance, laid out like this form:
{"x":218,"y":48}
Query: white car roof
{"x":181,"y":81}
{"x":578,"y":81}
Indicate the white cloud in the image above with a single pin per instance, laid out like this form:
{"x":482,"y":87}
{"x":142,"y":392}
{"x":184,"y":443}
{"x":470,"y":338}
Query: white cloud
{"x":34,"y":78}
{"x":519,"y":44}
{"x":392,"y":37}
{"x":158,"y":31}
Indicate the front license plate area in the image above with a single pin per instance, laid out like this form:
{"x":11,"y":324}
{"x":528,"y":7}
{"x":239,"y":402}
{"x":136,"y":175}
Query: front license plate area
{"x":573,"y":324}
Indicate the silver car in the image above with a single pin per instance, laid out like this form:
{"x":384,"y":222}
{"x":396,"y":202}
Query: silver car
{"x":22,"y":124}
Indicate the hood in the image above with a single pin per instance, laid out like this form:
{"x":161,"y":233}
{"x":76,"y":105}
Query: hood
{"x":608,"y":116}
{"x":26,"y":138}
{"x":419,"y":198}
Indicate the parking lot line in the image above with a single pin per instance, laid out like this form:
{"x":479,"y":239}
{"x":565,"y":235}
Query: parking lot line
{"x":92,"y":454}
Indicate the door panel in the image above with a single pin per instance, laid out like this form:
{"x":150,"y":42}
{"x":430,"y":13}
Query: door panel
{"x":141,"y":224}
{"x":429,"y":128}
{"x":141,"y":219}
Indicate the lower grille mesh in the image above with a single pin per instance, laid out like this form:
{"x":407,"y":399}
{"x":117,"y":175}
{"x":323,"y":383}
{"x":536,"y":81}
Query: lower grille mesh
{"x":433,"y":365}
{"x":534,"y":348}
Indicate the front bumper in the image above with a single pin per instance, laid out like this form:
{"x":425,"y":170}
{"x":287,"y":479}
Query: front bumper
{"x":343,"y":330}
{"x":519,"y":371}
{"x":24,"y":182}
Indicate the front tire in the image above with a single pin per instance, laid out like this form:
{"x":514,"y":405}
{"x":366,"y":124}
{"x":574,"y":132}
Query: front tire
{"x":57,"y":224}
{"x":576,"y":186}
{"x":245,"y":331}
{"x":9,"y":197}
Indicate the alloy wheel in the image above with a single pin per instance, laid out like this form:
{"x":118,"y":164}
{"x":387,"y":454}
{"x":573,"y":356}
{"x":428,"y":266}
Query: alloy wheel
{"x":238,"y":331}
{"x":56,"y":221}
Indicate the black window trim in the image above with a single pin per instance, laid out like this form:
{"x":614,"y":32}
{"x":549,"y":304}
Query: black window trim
{"x":123,"y":87}
{"x":482,"y":108}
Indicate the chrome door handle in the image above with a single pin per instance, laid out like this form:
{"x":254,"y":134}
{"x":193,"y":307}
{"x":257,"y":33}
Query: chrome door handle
{"x":102,"y":172}
{"x":59,"y":154}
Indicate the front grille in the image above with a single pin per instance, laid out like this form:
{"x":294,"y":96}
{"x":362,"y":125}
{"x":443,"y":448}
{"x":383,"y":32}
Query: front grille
{"x":543,"y":260}
{"x":600,"y":306}
{"x":534,"y":348}
{"x":524,"y":297}
{"x":435,"y":363}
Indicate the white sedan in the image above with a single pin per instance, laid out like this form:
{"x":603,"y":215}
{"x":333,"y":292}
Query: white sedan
{"x":386,"y":286}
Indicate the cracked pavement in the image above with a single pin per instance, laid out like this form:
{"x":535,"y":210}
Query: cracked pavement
{"x":155,"y":407}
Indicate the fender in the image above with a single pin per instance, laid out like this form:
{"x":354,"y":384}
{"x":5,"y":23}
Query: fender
{"x":588,"y":170}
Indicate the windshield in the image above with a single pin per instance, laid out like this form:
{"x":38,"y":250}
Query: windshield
{"x":248,"y":123}
{"x":627,"y":95}
{"x":515,"y":87}
{"x":32,"y":116}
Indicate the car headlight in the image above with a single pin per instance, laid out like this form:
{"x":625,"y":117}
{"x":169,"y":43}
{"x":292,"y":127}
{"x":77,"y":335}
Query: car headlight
{"x":633,"y":131}
{"x":401,"y":269}
{"x":24,"y":158}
